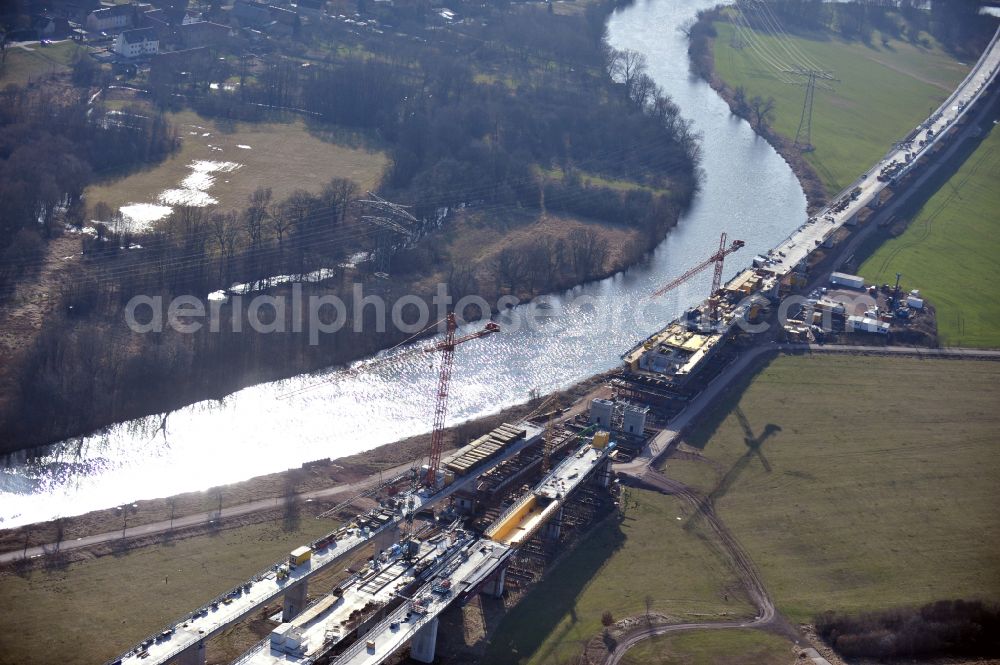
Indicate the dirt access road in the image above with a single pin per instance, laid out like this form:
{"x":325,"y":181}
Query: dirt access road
{"x":196,"y":519}
{"x":641,"y":472}
{"x":650,"y":478}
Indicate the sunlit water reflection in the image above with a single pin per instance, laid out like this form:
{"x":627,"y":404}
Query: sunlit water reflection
{"x":748,"y":191}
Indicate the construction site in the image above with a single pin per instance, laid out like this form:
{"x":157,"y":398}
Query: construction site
{"x":492,"y":515}
{"x":673,"y":365}
{"x":501,"y":509}
{"x":439,"y":536}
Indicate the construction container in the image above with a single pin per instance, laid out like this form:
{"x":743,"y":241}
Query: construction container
{"x":299,"y":556}
{"x":850,"y":281}
{"x":866,"y":324}
{"x":601,"y":439}
{"x":279,"y":633}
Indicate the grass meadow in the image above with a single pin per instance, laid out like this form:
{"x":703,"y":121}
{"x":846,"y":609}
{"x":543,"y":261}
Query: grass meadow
{"x":951,"y":251}
{"x":648,"y":553}
{"x":882,"y":93}
{"x":875,"y":484}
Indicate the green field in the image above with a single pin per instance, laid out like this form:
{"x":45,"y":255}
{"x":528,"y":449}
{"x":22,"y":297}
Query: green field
{"x":34,"y":61}
{"x":876,"y":487}
{"x":883,"y":92}
{"x":951,"y":251}
{"x":712,"y":647}
{"x":614,"y":569}
{"x":88,"y":612}
{"x":282,"y":156}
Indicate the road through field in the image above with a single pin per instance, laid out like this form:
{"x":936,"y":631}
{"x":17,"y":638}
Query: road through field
{"x":747,"y":572}
{"x":207,"y":517}
{"x":642,"y":472}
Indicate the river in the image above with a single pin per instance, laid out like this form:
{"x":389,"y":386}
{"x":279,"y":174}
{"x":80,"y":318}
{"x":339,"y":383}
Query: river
{"x":748,"y":191}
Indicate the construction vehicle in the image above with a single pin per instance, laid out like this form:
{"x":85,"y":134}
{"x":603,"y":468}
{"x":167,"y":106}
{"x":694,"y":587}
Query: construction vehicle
{"x":299,"y":556}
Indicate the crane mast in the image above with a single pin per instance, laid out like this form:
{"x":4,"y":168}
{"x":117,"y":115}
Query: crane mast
{"x":447,"y":349}
{"x":718,"y":259}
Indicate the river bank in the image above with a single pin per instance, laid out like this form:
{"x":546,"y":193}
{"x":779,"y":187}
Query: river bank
{"x":702,"y":60}
{"x":335,"y":479}
{"x":545,"y":217}
{"x":747,"y":190}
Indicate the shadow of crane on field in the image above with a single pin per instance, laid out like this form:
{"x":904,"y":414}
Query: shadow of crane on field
{"x":753,"y":444}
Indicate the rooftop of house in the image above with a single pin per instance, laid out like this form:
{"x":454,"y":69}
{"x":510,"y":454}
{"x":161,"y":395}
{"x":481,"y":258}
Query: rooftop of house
{"x":139,"y":35}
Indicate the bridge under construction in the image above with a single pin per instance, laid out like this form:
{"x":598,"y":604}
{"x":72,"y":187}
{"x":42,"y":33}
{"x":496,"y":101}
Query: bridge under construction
{"x":410,"y":577}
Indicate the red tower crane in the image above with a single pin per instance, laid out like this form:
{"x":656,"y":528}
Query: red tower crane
{"x":447,"y":349}
{"x":718,"y":258}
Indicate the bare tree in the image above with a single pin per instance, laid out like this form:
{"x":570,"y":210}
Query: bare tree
{"x":762,"y":109}
{"x":644,"y":91}
{"x":589,"y":254}
{"x":462,"y":282}
{"x":102,"y":212}
{"x":740,"y":98}
{"x":255,"y":215}
{"x":625,"y":66}
{"x":510,"y":268}
{"x":337,"y":196}
{"x":281,"y":218}
{"x":225,"y":231}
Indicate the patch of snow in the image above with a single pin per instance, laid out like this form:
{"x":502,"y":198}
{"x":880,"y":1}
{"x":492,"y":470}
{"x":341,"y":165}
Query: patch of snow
{"x":274,"y":280}
{"x":194,"y":188}
{"x":186,"y":197}
{"x":244,"y":147}
{"x":355,"y":259}
{"x":144,"y":214}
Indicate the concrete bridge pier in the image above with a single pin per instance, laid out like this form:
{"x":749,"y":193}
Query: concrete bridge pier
{"x":294,"y":601}
{"x":193,"y":655}
{"x":605,"y":474}
{"x":498,"y":583}
{"x":424,"y":643}
{"x":553,"y":528}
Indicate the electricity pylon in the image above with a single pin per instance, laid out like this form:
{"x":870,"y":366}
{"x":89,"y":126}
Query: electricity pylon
{"x":814,"y":78}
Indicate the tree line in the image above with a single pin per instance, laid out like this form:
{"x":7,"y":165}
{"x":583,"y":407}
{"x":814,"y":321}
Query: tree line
{"x":455,"y":136}
{"x":946,"y":628}
{"x":957,"y":24}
